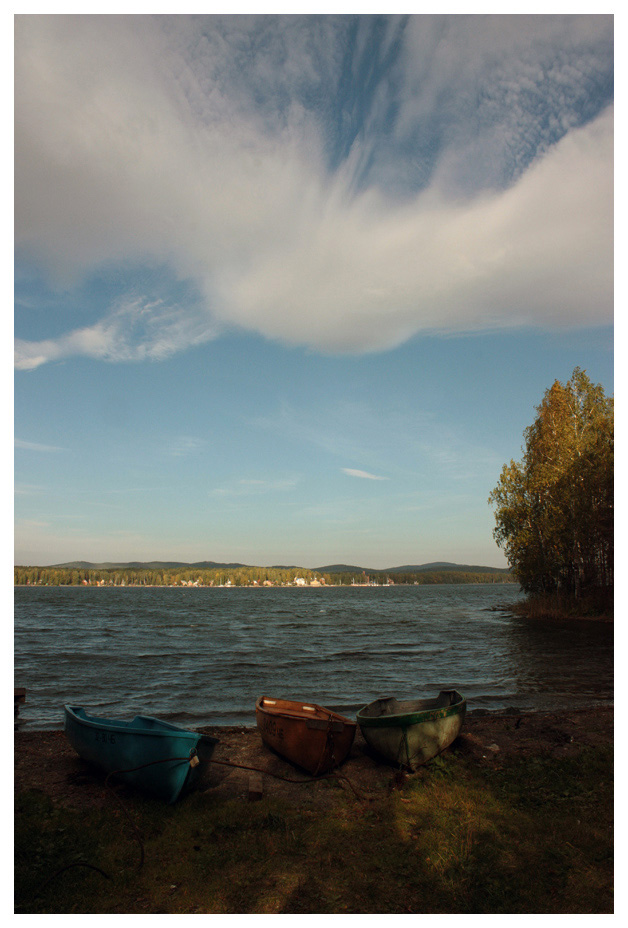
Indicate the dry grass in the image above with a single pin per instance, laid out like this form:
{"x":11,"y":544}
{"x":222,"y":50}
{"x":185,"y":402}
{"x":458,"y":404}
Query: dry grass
{"x":561,"y":607}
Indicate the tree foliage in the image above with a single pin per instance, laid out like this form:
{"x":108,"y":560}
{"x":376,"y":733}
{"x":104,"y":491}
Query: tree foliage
{"x":554,"y":508}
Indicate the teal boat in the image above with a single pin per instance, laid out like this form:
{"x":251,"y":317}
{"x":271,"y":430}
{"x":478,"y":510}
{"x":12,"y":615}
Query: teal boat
{"x":411,"y":732}
{"x":154,"y":756}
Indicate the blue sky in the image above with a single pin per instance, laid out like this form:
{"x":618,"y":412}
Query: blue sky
{"x":288,"y":289}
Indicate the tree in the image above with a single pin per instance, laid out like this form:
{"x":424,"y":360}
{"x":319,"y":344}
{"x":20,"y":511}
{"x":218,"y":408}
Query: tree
{"x":554,"y":509}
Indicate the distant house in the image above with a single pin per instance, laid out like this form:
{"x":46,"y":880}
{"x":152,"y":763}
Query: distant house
{"x":299,"y":581}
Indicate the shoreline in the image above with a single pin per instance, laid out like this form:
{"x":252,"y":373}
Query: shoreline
{"x":45,"y":761}
{"x":254,"y":586}
{"x":23,"y":726}
{"x":472,"y":715}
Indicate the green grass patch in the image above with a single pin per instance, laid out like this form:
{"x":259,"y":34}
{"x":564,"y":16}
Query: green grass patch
{"x":528,"y":836}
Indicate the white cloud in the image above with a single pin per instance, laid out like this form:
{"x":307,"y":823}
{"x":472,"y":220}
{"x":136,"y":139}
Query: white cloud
{"x":364,"y":475}
{"x":368,"y":275}
{"x":158,"y":141}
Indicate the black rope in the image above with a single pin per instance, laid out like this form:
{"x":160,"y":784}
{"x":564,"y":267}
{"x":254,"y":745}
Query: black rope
{"x":277,"y":776}
{"x":113,"y":773}
{"x":225,"y":763}
{"x":78,"y":863}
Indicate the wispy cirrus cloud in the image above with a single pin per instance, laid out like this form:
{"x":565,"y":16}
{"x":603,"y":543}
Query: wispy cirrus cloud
{"x":33,"y":524}
{"x":139,"y":329}
{"x":27,"y":489}
{"x":362,"y":474}
{"x":184,"y":445}
{"x":37,"y":446}
{"x":366,"y":432}
{"x":338,"y":183}
{"x":254,"y":487}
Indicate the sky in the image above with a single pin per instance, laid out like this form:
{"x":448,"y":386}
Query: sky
{"x":288,"y":289}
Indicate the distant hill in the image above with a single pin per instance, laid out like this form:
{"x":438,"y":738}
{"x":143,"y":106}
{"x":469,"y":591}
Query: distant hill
{"x":145,"y":565}
{"x":329,"y":569}
{"x":411,"y":569}
{"x":444,"y":565}
{"x":343,"y":569}
{"x":434,"y":565}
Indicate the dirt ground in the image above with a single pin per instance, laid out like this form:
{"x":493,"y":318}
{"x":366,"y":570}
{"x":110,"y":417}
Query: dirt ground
{"x":45,"y":761}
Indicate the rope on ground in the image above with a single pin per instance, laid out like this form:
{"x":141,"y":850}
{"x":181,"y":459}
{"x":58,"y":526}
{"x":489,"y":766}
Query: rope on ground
{"x":223,"y":763}
{"x":82,"y":863}
{"x":113,"y":773}
{"x":78,"y":863}
{"x":333,"y":775}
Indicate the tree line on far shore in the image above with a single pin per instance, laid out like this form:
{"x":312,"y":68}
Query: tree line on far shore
{"x":241,"y":576}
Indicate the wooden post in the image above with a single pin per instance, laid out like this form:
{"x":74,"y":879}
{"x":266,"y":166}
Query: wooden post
{"x":19,"y":696}
{"x":256,"y":790}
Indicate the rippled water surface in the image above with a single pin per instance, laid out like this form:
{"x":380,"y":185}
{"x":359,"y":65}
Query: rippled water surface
{"x":203,"y":656}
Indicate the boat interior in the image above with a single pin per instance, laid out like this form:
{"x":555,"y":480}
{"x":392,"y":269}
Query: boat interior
{"x":389,"y":705}
{"x":295,"y":709}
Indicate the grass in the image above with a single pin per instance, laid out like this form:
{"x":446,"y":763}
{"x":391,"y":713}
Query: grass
{"x":529,"y":836}
{"x":554,"y":606}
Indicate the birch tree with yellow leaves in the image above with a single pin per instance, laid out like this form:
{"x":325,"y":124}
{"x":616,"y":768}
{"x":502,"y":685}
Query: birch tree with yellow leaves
{"x":554,"y":508}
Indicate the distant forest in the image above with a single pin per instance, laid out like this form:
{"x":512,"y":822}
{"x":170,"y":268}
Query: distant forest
{"x":240,"y":575}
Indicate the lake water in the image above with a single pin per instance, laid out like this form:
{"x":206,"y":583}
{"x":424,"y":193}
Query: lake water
{"x":203,"y":656}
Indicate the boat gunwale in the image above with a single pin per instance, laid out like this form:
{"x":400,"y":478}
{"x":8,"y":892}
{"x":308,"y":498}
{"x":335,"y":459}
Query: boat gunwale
{"x":288,"y":709}
{"x":126,"y":728}
{"x":406,"y":719}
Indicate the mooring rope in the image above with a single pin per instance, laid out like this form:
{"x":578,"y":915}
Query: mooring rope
{"x":223,"y":763}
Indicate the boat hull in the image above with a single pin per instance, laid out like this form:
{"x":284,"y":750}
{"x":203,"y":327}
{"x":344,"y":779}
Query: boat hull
{"x":410,"y":733}
{"x":165,"y":754}
{"x":310,"y":736}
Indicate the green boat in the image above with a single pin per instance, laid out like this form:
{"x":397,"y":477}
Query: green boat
{"x":411,"y":732}
{"x":154,"y":756}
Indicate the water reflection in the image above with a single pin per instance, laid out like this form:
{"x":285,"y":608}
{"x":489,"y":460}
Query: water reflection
{"x":558,"y":662}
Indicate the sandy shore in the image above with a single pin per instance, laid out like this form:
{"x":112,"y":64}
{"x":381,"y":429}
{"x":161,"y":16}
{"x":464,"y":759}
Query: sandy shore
{"x":45,"y":761}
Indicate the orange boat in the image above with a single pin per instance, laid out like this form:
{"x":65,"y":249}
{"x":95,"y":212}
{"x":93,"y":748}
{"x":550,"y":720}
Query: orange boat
{"x":308,"y":735}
